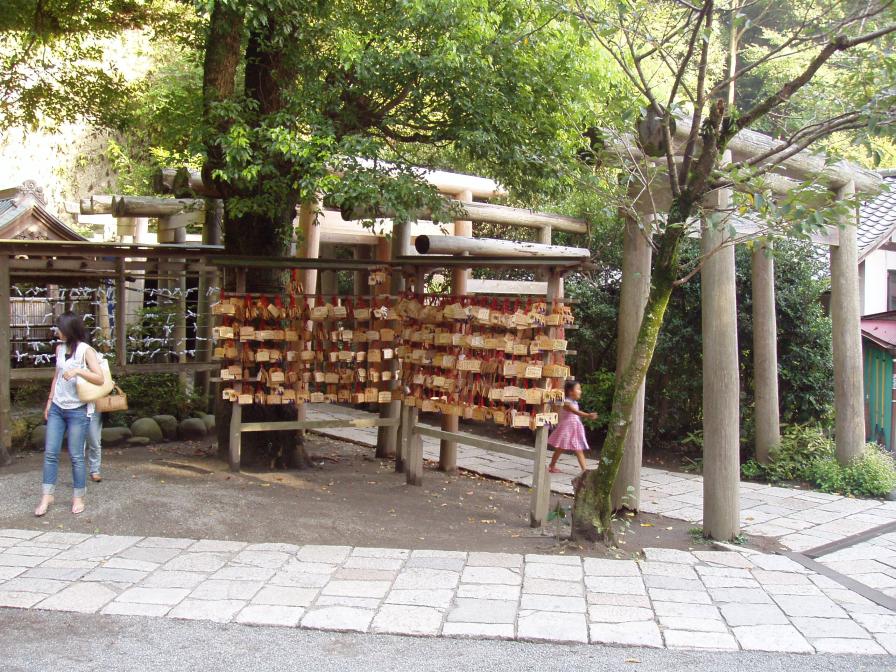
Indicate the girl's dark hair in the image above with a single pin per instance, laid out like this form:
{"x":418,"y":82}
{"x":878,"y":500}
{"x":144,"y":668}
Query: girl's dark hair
{"x":72,"y":329}
{"x":569,"y":386}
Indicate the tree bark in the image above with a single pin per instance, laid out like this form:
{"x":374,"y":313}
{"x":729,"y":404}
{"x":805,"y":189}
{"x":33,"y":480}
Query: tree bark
{"x":846,"y":340}
{"x":457,"y":244}
{"x":253,"y":233}
{"x":721,"y":381}
{"x":593,"y":507}
{"x":765,"y":353}
{"x":632,"y":297}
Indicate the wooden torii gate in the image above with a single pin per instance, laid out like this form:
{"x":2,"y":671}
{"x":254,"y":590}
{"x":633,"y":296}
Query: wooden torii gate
{"x":721,"y":402}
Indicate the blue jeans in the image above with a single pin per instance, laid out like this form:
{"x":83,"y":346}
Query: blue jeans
{"x":94,"y":443}
{"x":59,"y":421}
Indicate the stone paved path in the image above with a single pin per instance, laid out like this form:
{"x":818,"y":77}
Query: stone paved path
{"x":675,"y":599}
{"x":798,"y":519}
{"x":871,"y":562}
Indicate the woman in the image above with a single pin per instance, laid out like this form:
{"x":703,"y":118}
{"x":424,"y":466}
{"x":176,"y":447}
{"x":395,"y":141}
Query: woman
{"x":65,"y":412}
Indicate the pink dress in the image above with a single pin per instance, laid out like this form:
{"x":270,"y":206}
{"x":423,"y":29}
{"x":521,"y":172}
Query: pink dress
{"x":569,"y":434}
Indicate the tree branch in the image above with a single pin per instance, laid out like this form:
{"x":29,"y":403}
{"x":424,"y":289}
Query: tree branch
{"x":699,"y":102}
{"x":786,"y":92}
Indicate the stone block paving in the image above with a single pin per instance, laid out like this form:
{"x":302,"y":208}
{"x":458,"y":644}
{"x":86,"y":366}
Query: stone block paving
{"x":871,"y":562}
{"x":798,"y":519}
{"x":670,"y":598}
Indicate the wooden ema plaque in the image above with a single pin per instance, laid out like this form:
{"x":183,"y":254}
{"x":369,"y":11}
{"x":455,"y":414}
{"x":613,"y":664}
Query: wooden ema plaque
{"x":295,"y":348}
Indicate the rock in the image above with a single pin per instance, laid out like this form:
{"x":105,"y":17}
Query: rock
{"x":168,"y":423}
{"x":191,"y":429}
{"x":147,"y":427}
{"x":114,"y":436}
{"x":139,"y":441}
{"x":209,"y":421}
{"x":38,"y":437}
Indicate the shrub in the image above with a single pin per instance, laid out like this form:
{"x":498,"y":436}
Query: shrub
{"x":806,"y":453}
{"x":873,"y":474}
{"x":597,"y":396}
{"x":31,"y":393}
{"x":156,"y":394}
{"x":800,"y":445}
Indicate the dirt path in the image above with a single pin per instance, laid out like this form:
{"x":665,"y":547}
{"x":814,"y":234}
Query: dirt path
{"x":179,"y":490}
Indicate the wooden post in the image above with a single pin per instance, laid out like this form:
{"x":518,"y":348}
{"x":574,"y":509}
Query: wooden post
{"x":361,"y":253}
{"x":134,"y":297}
{"x":387,"y":437}
{"x":413,"y":449}
{"x":636,"y":259}
{"x":328,"y":282}
{"x":544,"y":238}
{"x":310,"y":243}
{"x":459,"y":277}
{"x":467,"y":245}
{"x":235,"y":442}
{"x":236,"y":437}
{"x":5,"y":355}
{"x":173,"y":229}
{"x":540,"y":500}
{"x":721,"y":388}
{"x":401,"y":456}
{"x":121,"y":310}
{"x":765,"y":352}
{"x":102,"y":317}
{"x":846,"y":339}
{"x":211,"y":235}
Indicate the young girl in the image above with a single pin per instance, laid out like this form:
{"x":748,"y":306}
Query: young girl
{"x":569,"y":434}
{"x":66,"y":413}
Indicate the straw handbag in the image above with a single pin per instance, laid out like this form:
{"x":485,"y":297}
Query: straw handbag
{"x":88,"y":391}
{"x":118,"y":401}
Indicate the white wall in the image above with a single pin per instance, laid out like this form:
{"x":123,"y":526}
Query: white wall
{"x":874,"y":272}
{"x":874,"y":285}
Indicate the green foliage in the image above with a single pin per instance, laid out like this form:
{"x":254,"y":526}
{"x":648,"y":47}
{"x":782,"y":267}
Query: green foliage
{"x":674,"y":409}
{"x":858,"y":79}
{"x":53,"y":61}
{"x":29,"y":393}
{"x":373,"y":80}
{"x":156,"y":394}
{"x":751,"y":470}
{"x":597,"y":397}
{"x":806,"y":453}
{"x":162,"y":122}
{"x":873,"y":474}
{"x":697,"y":536}
{"x":800,"y":445}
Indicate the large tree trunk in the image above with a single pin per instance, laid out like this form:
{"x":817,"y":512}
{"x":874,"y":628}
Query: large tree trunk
{"x":593,"y":508}
{"x":251,"y":234}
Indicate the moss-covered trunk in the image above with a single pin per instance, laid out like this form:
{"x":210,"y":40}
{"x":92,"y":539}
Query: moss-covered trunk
{"x":593,"y":508}
{"x":251,"y":233}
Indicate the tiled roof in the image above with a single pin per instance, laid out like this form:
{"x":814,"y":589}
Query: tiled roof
{"x":877,"y":218}
{"x":6,"y":204}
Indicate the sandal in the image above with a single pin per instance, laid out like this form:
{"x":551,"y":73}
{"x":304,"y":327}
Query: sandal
{"x":78,"y":506}
{"x":96,"y":478}
{"x":41,"y":509}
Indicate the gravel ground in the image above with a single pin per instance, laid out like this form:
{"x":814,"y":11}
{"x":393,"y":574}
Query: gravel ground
{"x":35,"y":640}
{"x":179,"y":490}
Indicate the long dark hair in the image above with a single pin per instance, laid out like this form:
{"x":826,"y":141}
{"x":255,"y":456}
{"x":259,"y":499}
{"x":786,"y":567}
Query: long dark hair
{"x":71,"y":330}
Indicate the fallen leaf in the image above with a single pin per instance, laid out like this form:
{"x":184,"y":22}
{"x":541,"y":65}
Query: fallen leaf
{"x":632,"y":660}
{"x":646,"y":524}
